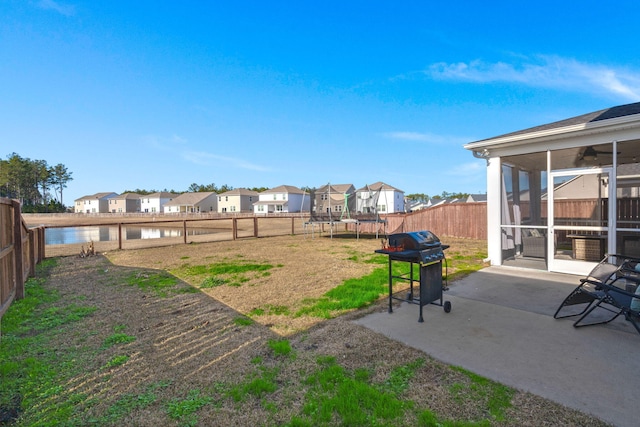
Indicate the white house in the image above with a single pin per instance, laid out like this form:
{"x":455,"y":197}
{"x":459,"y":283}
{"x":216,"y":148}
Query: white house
{"x":200,"y":202}
{"x":154,"y":203}
{"x":379,"y":198}
{"x":237,"y":200}
{"x":96,"y":203}
{"x":282,"y":199}
{"x":570,"y":187}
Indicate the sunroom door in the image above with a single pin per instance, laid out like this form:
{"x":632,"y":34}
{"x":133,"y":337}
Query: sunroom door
{"x":581,"y":219}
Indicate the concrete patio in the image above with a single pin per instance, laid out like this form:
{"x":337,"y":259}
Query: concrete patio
{"x":501,"y":326}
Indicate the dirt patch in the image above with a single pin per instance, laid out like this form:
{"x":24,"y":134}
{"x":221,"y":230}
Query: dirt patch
{"x":193,"y":341}
{"x":302,"y":269}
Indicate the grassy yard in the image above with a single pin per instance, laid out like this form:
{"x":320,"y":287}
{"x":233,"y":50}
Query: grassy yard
{"x":102,"y":342}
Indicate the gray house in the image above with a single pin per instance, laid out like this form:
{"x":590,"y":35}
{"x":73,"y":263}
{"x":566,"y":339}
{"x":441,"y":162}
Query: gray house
{"x":126,"y":202}
{"x":334,"y":201}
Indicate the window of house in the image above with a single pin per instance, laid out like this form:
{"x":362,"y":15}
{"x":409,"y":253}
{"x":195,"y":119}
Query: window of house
{"x":279,"y":208}
{"x":260,"y":208}
{"x":382,"y":208}
{"x":233,"y":208}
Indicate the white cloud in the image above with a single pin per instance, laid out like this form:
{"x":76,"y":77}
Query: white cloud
{"x":204,"y":158}
{"x":545,"y":71}
{"x":63,"y":9}
{"x":178,"y":146}
{"x":427,"y":137}
{"x":178,"y":139}
{"x":470,"y":169}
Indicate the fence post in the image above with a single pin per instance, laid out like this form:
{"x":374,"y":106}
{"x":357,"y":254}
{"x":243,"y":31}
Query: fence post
{"x":17,"y":249}
{"x":184,"y":230}
{"x":234,"y":228}
{"x":293,"y":229}
{"x":119,"y":235}
{"x":42,"y":246}
{"x":32,"y":252}
{"x":255,"y":226}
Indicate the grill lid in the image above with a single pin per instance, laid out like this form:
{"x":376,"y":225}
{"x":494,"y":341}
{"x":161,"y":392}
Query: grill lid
{"x":414,"y":241}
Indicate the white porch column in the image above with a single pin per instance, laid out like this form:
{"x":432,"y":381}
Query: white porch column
{"x":494,"y":187}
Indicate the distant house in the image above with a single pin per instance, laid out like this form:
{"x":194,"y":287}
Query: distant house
{"x":127,"y":202}
{"x":192,"y":203}
{"x":238,"y":200}
{"x":335,"y":201}
{"x":477,"y":198}
{"x":379,"y":198}
{"x":416,"y":205}
{"x":282,"y":199}
{"x":96,"y":203}
{"x":154,"y":203}
{"x":439,"y":201}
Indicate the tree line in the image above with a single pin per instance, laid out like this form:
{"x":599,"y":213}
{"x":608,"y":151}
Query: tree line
{"x":196,"y":188}
{"x":421,"y":197}
{"x":37,"y":185}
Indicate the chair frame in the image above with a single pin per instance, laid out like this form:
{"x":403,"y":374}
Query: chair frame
{"x":605,"y":292}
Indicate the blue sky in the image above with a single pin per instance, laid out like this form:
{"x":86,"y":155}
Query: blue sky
{"x":160,"y":95}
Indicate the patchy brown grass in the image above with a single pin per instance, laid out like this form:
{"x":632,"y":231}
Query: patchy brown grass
{"x":195,"y":341}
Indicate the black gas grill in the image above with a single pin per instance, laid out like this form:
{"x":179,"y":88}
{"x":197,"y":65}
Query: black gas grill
{"x":417,"y":246}
{"x":422,"y":248}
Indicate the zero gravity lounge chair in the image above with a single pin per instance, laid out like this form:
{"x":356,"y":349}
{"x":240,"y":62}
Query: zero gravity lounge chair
{"x":611,"y":288}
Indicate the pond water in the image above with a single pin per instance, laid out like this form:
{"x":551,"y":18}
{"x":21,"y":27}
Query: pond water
{"x":71,"y":235}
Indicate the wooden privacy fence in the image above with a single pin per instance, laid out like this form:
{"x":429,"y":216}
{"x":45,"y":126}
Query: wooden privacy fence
{"x":464,"y":220}
{"x":21,"y":248}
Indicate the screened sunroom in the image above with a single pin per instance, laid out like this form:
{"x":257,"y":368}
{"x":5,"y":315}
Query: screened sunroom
{"x":562,"y":195}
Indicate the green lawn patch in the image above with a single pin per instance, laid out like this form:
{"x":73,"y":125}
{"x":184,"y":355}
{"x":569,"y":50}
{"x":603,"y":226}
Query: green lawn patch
{"x":232,"y":273}
{"x":160,"y":283}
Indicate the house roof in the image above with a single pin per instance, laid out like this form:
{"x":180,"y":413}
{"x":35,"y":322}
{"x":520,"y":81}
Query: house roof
{"x":377,"y":186}
{"x":190,"y":199}
{"x":335,"y":188}
{"x":569,"y":138}
{"x":584,"y":119}
{"x":477,"y":198}
{"x":160,"y":195}
{"x":239,"y":192}
{"x":284,"y":189}
{"x":104,"y":195}
{"x":128,"y":196}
